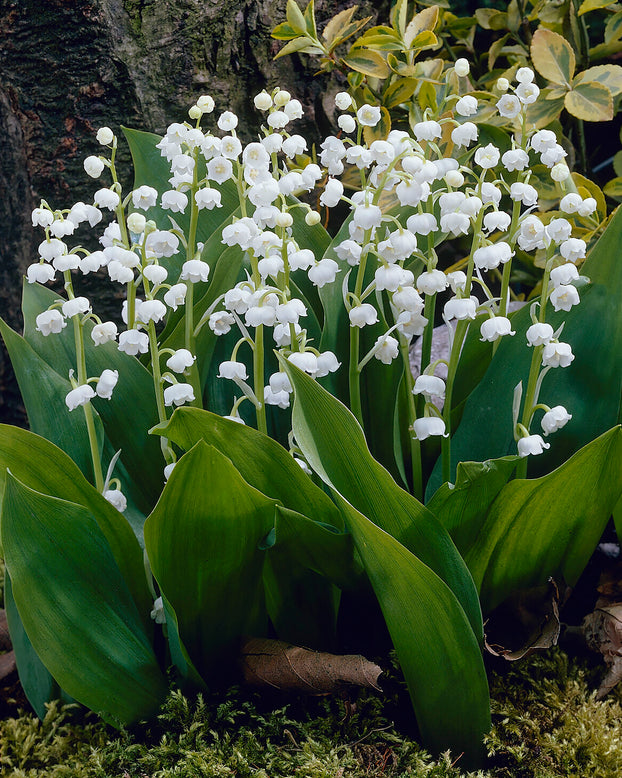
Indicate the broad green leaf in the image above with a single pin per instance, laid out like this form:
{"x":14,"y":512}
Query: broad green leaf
{"x":462,"y":507}
{"x":617,"y":163}
{"x":436,"y":647}
{"x":617,"y":518}
{"x":607,"y":75}
{"x":203,"y":540}
{"x":261,"y":461}
{"x":76,"y":607}
{"x":368,"y":62}
{"x":43,"y":392}
{"x":590,"y":101}
{"x":45,"y":468}
{"x":553,"y":56}
{"x":613,"y":188}
{"x":589,"y":388}
{"x":34,"y":677}
{"x":548,"y":526}
{"x":334,"y":445}
{"x":303,"y":561}
{"x":134,"y":394}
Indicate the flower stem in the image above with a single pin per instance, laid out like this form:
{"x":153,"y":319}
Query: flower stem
{"x":415,"y":445}
{"x":258,"y":379}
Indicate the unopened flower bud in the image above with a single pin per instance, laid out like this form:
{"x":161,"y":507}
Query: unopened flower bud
{"x":560,"y":172}
{"x":462,"y":67}
{"x":503,"y":84}
{"x":94,"y":166}
{"x":312,"y":218}
{"x":105,"y":136}
{"x":136,"y":223}
{"x":263,"y":101}
{"x":284,"y":219}
{"x":206,"y":103}
{"x":195,"y":112}
{"x":281,"y":98}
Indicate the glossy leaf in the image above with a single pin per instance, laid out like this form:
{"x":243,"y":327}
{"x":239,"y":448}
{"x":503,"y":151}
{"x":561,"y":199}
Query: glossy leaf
{"x":607,"y":75}
{"x":399,"y":92}
{"x":334,"y":445}
{"x":368,"y":62}
{"x":589,"y":388}
{"x":553,"y":56}
{"x":613,"y":27}
{"x":140,"y":453}
{"x":42,"y":466}
{"x":202,"y":539}
{"x":436,"y":647}
{"x":462,"y":507}
{"x":548,"y":526}
{"x":613,"y":188}
{"x":590,"y":101}
{"x":91,"y":637}
{"x":426,"y":19}
{"x":261,"y":461}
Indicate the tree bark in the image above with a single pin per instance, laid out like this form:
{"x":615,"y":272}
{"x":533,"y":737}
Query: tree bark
{"x":68,"y":67}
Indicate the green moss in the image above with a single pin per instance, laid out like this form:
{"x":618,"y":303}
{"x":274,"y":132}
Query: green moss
{"x":546,"y":725}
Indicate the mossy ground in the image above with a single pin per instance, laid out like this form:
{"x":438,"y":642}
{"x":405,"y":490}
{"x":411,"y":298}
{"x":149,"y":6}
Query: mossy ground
{"x":546,"y":725}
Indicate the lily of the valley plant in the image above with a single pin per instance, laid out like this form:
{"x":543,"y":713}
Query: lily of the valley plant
{"x":199,"y":467}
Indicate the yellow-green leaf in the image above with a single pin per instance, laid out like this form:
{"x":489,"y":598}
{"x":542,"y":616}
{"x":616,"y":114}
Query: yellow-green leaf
{"x":399,"y":91}
{"x":400,"y":67}
{"x":381,"y":37}
{"x":515,"y":16}
{"x":284,"y":32}
{"x":427,"y":96}
{"x":302,"y":45}
{"x":613,"y":28}
{"x":553,"y":56}
{"x":605,"y":50}
{"x":491,"y":19}
{"x":495,"y":50}
{"x":607,"y":75}
{"x":617,"y":163}
{"x":593,"y":5}
{"x":613,"y":188}
{"x":337,"y":24}
{"x":309,"y":17}
{"x":370,"y":63}
{"x":398,"y":16}
{"x":587,"y":188}
{"x":295,"y":17}
{"x":544,"y":111}
{"x":424,"y":20}
{"x":381,"y":130}
{"x":555,"y":92}
{"x":590,"y":101}
{"x":425,"y":40}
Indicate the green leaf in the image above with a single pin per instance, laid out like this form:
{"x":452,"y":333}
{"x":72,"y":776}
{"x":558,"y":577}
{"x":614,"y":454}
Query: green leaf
{"x":36,"y":680}
{"x":43,"y":392}
{"x":589,"y":388}
{"x":202,"y":539}
{"x":397,"y":16}
{"x":45,"y":468}
{"x":309,"y":17}
{"x":295,"y":17}
{"x":382,"y":38}
{"x":617,"y":163}
{"x":140,"y":454}
{"x":368,"y":62}
{"x":303,"y":557}
{"x":74,"y":602}
{"x":341,"y":27}
{"x":553,"y":56}
{"x":261,"y":461}
{"x":548,"y":526}
{"x":304,"y":45}
{"x":334,"y":445}
{"x":436,"y":647}
{"x":589,"y":101}
{"x":462,"y":507}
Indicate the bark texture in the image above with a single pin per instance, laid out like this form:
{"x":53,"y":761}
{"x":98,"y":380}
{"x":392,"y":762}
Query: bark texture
{"x":68,"y":67}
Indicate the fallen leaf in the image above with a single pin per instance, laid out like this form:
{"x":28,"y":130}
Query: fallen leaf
{"x":280,"y":665}
{"x":603,"y":632}
{"x":527,"y":621}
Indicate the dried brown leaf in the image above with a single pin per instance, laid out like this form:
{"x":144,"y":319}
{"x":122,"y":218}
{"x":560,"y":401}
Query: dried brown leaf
{"x":603,"y":632}
{"x":280,"y":665}
{"x":524,"y":623}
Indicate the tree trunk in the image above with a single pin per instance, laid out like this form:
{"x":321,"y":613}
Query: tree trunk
{"x":68,"y":67}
